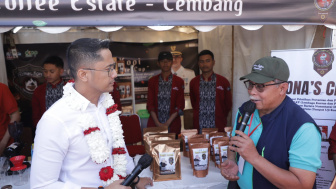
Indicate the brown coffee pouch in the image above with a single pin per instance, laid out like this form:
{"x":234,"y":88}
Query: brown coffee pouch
{"x":215,"y":147}
{"x":207,"y":131}
{"x":167,"y":160}
{"x":223,"y":150}
{"x":212,"y":136}
{"x":152,"y":130}
{"x":164,"y":136}
{"x":201,"y":158}
{"x":193,"y":141}
{"x":186,"y":134}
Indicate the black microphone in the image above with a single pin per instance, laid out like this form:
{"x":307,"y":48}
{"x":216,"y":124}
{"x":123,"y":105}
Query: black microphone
{"x":143,"y":163}
{"x":249,"y":108}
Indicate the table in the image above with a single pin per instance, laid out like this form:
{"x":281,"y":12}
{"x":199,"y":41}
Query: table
{"x":214,"y":180}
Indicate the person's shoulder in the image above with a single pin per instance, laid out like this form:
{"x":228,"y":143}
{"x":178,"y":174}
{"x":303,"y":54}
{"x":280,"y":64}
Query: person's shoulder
{"x":179,"y":79}
{"x":60,"y":109}
{"x":153,"y":78}
{"x":188,"y":70}
{"x":223,"y":80}
{"x":222,"y":77}
{"x":2,"y":86}
{"x":195,"y":79}
{"x":40,"y":88}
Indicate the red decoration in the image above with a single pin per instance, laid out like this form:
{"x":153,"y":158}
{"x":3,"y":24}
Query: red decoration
{"x":118,"y":151}
{"x":71,"y":81}
{"x":106,"y":173}
{"x":121,"y":177}
{"x":112,"y":109}
{"x":91,"y":129}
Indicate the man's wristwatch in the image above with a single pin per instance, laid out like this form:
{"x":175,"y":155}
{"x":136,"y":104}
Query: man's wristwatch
{"x":100,"y":187}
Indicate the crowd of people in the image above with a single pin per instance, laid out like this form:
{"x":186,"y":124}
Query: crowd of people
{"x":78,"y":142}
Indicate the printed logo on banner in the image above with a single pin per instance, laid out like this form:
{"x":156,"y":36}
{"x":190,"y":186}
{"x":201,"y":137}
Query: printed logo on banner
{"x":323,"y":6}
{"x":27,"y":78}
{"x":323,"y":59}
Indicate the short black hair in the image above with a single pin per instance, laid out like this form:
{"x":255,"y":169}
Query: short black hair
{"x":85,"y":51}
{"x":206,"y":52}
{"x":55,"y":60}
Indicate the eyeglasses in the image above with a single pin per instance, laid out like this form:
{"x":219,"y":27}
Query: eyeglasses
{"x":109,"y":70}
{"x":259,"y":86}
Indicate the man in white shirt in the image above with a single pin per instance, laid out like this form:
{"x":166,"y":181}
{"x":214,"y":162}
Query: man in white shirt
{"x":179,"y":70}
{"x":79,"y":141}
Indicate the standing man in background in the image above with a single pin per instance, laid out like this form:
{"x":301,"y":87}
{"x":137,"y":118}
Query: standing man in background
{"x":48,"y":93}
{"x":210,"y":95}
{"x":179,"y":70}
{"x":9,"y":113}
{"x":165,"y":96}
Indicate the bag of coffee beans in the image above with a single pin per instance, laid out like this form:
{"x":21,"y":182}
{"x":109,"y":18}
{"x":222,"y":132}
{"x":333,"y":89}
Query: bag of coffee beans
{"x":201,"y":156}
{"x":167,"y":160}
{"x":216,"y":149}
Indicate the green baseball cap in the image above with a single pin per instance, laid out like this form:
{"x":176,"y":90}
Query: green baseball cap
{"x":268,"y":69}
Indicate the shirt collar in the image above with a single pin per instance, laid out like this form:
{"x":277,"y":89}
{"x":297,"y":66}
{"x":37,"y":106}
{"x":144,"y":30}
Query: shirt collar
{"x":54,"y":86}
{"x":165,"y":79}
{"x":210,"y":78}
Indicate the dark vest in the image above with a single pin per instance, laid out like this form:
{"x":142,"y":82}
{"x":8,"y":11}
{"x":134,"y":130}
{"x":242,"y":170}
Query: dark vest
{"x":279,"y":128}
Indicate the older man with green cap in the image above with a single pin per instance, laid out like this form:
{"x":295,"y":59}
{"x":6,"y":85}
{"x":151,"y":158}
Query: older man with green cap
{"x":281,"y":144}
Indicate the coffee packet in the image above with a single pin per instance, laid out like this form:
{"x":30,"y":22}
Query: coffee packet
{"x":201,"y":158}
{"x":216,"y":149}
{"x":215,"y":135}
{"x":167,"y":160}
{"x":152,"y":130}
{"x":223,"y":150}
{"x":185,"y":135}
{"x":193,"y":141}
{"x":207,"y":131}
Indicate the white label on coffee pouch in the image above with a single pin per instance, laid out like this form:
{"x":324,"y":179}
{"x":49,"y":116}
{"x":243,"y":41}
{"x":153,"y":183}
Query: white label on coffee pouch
{"x":200,"y":156}
{"x":224,"y":152}
{"x":167,"y":163}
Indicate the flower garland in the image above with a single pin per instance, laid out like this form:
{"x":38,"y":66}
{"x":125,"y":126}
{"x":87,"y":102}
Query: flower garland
{"x":97,"y":145}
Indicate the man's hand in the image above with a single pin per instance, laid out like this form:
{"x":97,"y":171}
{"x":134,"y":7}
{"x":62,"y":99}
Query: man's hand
{"x":144,"y":181}
{"x":117,"y":185}
{"x":245,"y":147}
{"x":229,"y":170}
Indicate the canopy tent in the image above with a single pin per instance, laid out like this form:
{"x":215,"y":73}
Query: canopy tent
{"x":234,"y":47}
{"x":164,"y":12}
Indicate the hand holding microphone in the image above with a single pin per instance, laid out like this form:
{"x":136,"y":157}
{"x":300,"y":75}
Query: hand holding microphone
{"x":249,"y":108}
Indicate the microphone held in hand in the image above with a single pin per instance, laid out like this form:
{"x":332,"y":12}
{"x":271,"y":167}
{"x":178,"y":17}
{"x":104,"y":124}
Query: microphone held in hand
{"x":249,"y":108}
{"x":143,"y":163}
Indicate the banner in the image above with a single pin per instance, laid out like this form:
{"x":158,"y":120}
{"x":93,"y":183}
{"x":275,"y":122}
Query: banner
{"x":312,"y":86}
{"x":25,"y":71}
{"x":165,"y":12}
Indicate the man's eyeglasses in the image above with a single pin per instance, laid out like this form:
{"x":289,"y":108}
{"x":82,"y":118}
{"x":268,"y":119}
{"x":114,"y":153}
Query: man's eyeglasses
{"x":108,"y":70}
{"x":259,"y":86}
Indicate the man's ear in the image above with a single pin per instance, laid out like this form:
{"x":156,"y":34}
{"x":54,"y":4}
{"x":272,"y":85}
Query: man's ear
{"x":82,"y":75}
{"x":61,"y":71}
{"x":283,"y":87}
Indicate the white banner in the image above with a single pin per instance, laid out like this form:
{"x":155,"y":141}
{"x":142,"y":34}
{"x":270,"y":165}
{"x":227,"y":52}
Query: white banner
{"x":312,"y":85}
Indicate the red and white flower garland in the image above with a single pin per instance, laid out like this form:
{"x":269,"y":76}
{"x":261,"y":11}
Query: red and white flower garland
{"x":98,"y":147}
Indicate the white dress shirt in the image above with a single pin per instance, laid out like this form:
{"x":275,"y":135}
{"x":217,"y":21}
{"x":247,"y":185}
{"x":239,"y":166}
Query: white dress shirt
{"x":187,"y":75}
{"x":61,"y":154}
